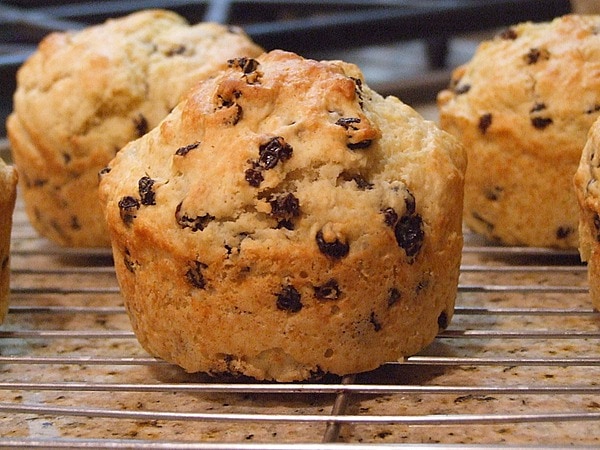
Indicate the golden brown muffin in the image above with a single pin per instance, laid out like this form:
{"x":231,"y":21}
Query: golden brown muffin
{"x":285,"y":221}
{"x":83,"y":95}
{"x":522,"y":106}
{"x":588,"y":195}
{"x":8,"y":193}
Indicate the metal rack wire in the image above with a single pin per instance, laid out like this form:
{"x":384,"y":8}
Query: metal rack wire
{"x":517,"y":367}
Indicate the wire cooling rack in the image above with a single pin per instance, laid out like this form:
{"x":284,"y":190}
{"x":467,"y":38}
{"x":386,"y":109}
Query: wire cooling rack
{"x":518,"y":366}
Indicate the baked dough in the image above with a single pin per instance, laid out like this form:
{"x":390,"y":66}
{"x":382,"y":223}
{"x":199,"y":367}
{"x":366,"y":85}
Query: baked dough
{"x":522,"y":106}
{"x":587,"y":187}
{"x":286,"y":221}
{"x":8,"y":194}
{"x":83,"y":95}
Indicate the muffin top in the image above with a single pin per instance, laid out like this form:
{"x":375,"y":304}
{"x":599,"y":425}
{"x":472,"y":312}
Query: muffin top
{"x":535,"y":86}
{"x":280,"y":151}
{"x":84,"y":94}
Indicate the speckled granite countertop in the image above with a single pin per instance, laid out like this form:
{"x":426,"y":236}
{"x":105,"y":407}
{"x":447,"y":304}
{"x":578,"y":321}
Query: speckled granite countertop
{"x":518,"y":366}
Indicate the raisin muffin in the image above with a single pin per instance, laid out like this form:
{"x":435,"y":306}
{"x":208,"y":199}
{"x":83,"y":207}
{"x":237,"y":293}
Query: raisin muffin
{"x":522,"y":106}
{"x":286,"y":221}
{"x":587,"y":187}
{"x":8,"y":193}
{"x":83,"y":95}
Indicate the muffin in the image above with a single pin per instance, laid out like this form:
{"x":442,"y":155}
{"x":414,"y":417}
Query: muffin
{"x":588,"y":196}
{"x":83,"y":95}
{"x":522,"y":106}
{"x":8,"y":193}
{"x":286,"y":221}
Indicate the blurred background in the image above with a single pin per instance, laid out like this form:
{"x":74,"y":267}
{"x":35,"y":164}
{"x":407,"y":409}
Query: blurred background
{"x":405,"y":48}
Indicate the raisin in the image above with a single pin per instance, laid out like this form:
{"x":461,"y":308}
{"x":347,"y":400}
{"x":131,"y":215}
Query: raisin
{"x":336,"y":249}
{"x":273,"y":151}
{"x":564,"y":232}
{"x":409,"y":234}
{"x":197,"y":223}
{"x":104,"y":171}
{"x":75,"y":225}
{"x":285,"y":224}
{"x":127,"y":207}
{"x":285,"y":206}
{"x":541,"y":122}
{"x":462,"y":89}
{"x":289,"y":299}
{"x":375,"y":322}
{"x":147,"y":195}
{"x":66,"y":158}
{"x":390,"y":216}
{"x":358,"y":90}
{"x":348,"y":124}
{"x":493,"y":194}
{"x":410,"y":202}
{"x":535,"y":54}
{"x":484,"y":122}
{"x":597,"y":226}
{"x":393,"y":296}
{"x":194,"y":275}
{"x":328,"y":291}
{"x":443,"y":320}
{"x":359,"y":145}
{"x":254,"y":177}
{"x":141,"y":125}
{"x":508,"y":34}
{"x":537,"y":107}
{"x":182,"y":151}
{"x":248,"y":65}
{"x":177,"y":50}
{"x":362,"y":184}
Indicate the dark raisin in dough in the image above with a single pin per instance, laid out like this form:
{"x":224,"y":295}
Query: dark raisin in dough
{"x":147,"y":195}
{"x":375,"y":322}
{"x":462,"y":89}
{"x":182,"y":151}
{"x":285,"y":206}
{"x":564,"y":232}
{"x":537,"y":107}
{"x":409,"y":234}
{"x":328,"y":291}
{"x":509,"y":34}
{"x":194,"y":275}
{"x":443,"y":320}
{"x":254,"y":177}
{"x":535,"y":54}
{"x":541,"y":122}
{"x":393,"y":296}
{"x":128,"y":207}
{"x":289,"y":299}
{"x":197,"y":223}
{"x":597,"y":226}
{"x":390,"y":216}
{"x":273,"y":151}
{"x":336,"y":249}
{"x":141,"y":125}
{"x":248,"y":65}
{"x":484,"y":122}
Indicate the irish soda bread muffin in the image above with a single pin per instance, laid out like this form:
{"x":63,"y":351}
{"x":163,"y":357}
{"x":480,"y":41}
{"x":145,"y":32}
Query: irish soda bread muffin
{"x":8,"y":193}
{"x":83,"y":95}
{"x":522,"y":107}
{"x":286,"y":221}
{"x":587,"y":187}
